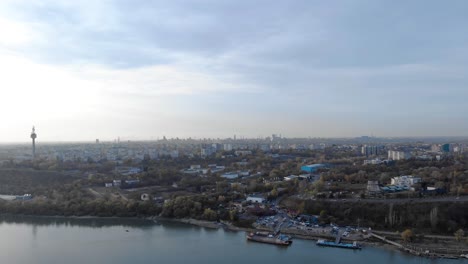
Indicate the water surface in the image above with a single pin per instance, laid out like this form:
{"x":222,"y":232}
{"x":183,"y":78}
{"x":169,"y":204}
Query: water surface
{"x":116,"y":241}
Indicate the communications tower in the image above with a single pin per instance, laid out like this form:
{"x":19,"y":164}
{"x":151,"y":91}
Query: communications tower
{"x":33,"y":137}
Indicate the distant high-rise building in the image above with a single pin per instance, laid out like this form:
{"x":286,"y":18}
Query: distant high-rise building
{"x":398,"y":155}
{"x":207,"y":150}
{"x":33,"y":137}
{"x":217,"y":146}
{"x":227,"y":147}
{"x":447,"y":148}
{"x":463,"y":148}
{"x":367,"y":150}
{"x":275,"y":137}
{"x":435,"y":148}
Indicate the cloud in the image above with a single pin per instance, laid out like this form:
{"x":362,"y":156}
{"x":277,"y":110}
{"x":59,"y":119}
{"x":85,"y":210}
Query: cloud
{"x":334,"y":60}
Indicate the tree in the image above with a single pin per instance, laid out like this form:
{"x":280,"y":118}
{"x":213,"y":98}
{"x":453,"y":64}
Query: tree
{"x":210,"y":215}
{"x":407,"y":235}
{"x":440,"y":185}
{"x":385,"y":177}
{"x":233,"y":215}
{"x":323,"y":215}
{"x":274,"y":173}
{"x":274,"y":193}
{"x":459,"y":234}
{"x":301,"y":207}
{"x":319,"y":185}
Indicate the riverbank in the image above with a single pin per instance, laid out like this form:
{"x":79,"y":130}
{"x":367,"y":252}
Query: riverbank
{"x":367,"y":241}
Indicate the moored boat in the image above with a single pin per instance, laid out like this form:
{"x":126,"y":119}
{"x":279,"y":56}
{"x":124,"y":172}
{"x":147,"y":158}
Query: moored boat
{"x":324,"y":243}
{"x":265,"y":237}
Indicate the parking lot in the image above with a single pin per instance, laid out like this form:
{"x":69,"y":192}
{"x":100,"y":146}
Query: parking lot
{"x":300,"y":226}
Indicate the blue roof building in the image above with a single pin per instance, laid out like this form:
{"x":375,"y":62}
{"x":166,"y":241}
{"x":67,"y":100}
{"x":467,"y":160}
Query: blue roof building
{"x":312,"y":168}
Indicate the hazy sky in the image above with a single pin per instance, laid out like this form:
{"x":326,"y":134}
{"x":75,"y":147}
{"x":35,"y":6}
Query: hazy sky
{"x":81,"y":70}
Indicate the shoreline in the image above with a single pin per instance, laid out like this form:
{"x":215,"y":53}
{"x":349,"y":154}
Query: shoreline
{"x":366,"y":242}
{"x":230,"y":227}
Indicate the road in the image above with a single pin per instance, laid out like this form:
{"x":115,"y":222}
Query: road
{"x":402,"y":200}
{"x":389,"y":233}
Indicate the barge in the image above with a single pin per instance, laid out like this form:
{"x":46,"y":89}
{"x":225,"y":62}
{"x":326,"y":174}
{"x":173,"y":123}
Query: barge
{"x":324,"y":243}
{"x":265,"y":237}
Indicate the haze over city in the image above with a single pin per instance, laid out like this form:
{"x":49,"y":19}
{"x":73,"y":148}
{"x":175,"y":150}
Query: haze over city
{"x":145,"y":69}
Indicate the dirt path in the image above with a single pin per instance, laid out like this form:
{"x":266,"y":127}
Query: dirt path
{"x":96,"y":194}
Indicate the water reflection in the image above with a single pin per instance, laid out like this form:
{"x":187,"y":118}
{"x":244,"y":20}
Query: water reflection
{"x":34,"y":231}
{"x":72,"y":222}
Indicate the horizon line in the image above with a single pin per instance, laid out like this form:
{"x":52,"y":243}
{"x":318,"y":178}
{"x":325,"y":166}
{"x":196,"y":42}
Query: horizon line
{"x":226,"y":138}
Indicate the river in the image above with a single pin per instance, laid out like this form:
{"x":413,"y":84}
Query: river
{"x":67,"y":240}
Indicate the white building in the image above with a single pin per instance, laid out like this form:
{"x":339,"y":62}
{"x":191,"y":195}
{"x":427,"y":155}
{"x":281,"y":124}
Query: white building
{"x":307,"y":176}
{"x":255,"y":199}
{"x":373,"y":162}
{"x":405,"y":181}
{"x":230,"y":175}
{"x":398,"y":155}
{"x":290,"y":177}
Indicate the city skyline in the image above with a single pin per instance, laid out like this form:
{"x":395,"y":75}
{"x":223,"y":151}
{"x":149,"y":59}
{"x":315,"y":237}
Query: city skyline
{"x":364,"y":139}
{"x":81,"y":71}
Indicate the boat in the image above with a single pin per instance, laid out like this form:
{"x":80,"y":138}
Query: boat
{"x":269,"y":238}
{"x":324,"y":243}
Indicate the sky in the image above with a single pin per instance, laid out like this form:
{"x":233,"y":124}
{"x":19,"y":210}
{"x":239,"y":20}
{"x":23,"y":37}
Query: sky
{"x":137,"y":69}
